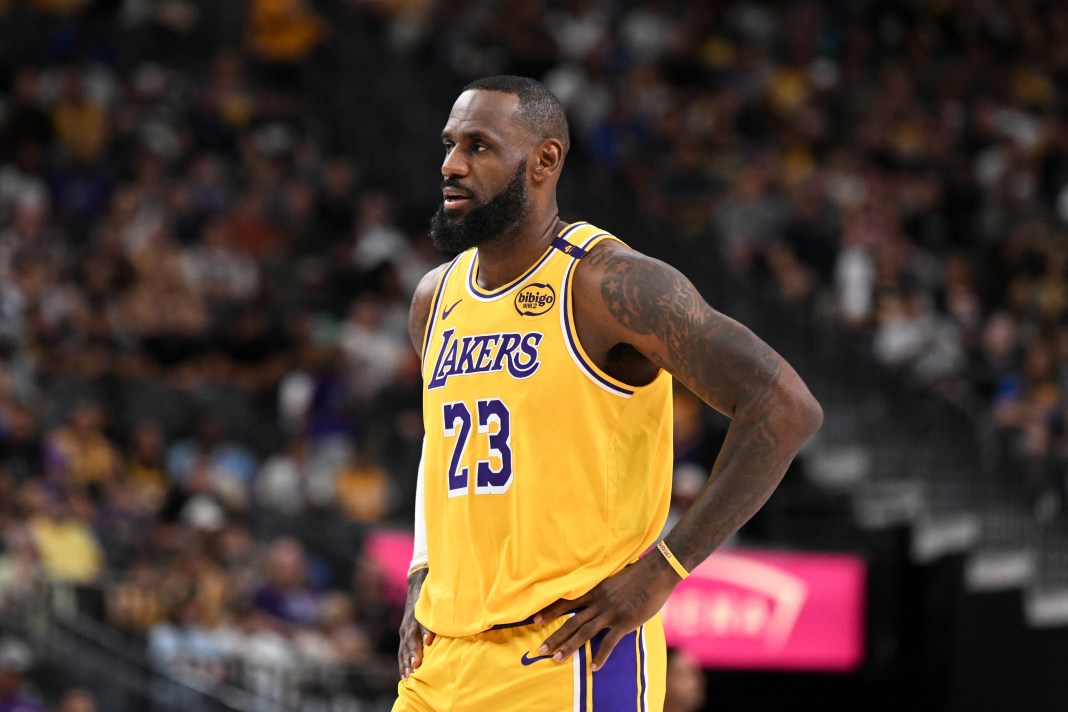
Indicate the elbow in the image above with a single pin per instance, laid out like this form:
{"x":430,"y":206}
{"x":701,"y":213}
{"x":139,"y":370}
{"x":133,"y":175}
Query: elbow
{"x":805,"y":412}
{"x":812,"y":416}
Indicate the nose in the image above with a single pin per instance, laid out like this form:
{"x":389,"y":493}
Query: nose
{"x":454,"y":165}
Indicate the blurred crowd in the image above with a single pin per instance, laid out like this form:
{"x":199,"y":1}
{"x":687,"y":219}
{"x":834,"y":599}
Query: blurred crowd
{"x":16,"y":695}
{"x":207,"y":391}
{"x":898,"y":170}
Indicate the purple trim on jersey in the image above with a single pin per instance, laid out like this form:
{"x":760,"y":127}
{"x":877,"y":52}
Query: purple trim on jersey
{"x":644,"y":693}
{"x":502,"y":626}
{"x":568,"y":249}
{"x":529,"y":621}
{"x":567,"y":328}
{"x":485,"y":296}
{"x":437,"y":303}
{"x":583,"y":675}
{"x":615,"y":686}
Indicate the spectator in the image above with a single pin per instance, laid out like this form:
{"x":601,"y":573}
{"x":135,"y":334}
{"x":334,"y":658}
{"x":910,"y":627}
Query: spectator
{"x":213,"y":268}
{"x":281,"y":32}
{"x":336,"y":638}
{"x":373,"y":354}
{"x":995,"y":356}
{"x":16,"y":660}
{"x":170,"y":651}
{"x":62,"y":533}
{"x":287,"y":595}
{"x":144,"y":470}
{"x":302,"y":478}
{"x":220,"y":464}
{"x":242,"y":557}
{"x":25,"y":134}
{"x":335,"y":205}
{"x":267,"y":662}
{"x":318,"y":395}
{"x":20,"y":441}
{"x":912,"y":338}
{"x":76,"y":700}
{"x":80,"y":121}
{"x":185,"y":647}
{"x":749,"y":219}
{"x":137,"y":602}
{"x":377,"y":239}
{"x":363,"y":488}
{"x":20,"y":566}
{"x":194,"y":503}
{"x":80,"y":453}
{"x":686,"y":684}
{"x":121,"y":522}
{"x":1029,"y":415}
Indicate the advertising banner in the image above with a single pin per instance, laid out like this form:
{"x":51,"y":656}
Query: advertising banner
{"x":757,"y":609}
{"x":741,"y":609}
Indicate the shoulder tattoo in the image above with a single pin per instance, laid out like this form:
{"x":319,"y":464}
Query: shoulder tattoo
{"x":712,"y":354}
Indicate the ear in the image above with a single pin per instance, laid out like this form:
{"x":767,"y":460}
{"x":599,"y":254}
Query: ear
{"x":546,"y":160}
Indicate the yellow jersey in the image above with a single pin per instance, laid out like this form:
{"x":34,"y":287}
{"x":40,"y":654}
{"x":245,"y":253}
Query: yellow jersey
{"x":543,"y":474}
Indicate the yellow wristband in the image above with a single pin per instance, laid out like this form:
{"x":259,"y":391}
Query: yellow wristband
{"x":675,"y":564}
{"x":418,"y":567}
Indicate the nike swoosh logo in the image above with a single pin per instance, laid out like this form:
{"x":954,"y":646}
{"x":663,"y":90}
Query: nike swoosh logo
{"x":527,"y":660}
{"x":448,"y":310}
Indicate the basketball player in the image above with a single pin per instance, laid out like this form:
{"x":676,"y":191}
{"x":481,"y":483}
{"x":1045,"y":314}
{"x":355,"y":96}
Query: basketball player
{"x":549,"y":350}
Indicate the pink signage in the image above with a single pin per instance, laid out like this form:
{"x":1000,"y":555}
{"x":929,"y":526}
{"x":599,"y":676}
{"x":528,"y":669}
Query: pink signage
{"x":391,"y":550}
{"x":758,"y":609}
{"x":740,"y":609}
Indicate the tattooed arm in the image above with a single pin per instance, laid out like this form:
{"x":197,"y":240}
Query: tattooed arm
{"x":635,"y":315}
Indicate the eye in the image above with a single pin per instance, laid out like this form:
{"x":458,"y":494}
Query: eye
{"x":448,"y":145}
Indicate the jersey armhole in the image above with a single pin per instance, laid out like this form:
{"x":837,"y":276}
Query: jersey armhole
{"x":435,"y":302}
{"x":587,"y":240}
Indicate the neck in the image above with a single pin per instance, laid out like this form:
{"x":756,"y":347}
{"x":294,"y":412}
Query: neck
{"x":502,"y":261}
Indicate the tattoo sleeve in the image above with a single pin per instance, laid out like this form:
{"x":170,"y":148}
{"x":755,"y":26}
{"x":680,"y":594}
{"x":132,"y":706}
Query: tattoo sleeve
{"x":728,"y":366}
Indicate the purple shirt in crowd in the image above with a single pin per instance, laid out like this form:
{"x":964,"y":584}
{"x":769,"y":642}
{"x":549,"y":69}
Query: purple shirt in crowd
{"x":20,"y":704}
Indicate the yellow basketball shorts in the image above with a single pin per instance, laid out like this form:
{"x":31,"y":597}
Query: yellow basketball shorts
{"x":500,"y":670}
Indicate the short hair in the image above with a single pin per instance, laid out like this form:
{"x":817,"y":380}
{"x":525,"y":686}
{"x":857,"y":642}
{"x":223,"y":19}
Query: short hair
{"x":539,"y":107}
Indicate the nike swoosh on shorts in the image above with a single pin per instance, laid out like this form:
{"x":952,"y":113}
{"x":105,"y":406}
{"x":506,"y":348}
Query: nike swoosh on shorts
{"x":527,"y":660}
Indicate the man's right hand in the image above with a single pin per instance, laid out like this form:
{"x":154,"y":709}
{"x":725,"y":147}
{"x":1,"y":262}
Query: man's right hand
{"x":413,"y":636}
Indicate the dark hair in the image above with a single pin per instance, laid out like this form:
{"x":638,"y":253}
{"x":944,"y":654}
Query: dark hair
{"x":539,"y":107}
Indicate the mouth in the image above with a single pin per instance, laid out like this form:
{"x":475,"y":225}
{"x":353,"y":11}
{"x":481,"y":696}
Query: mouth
{"x":455,"y":198}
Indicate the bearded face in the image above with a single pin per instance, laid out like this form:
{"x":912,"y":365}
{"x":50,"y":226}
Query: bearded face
{"x":492,"y":219}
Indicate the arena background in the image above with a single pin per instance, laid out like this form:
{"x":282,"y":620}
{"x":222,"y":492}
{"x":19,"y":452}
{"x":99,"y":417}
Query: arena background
{"x":212,"y":214}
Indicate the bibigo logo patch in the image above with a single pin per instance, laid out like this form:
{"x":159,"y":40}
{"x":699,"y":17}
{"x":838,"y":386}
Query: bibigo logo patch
{"x":534,"y":299}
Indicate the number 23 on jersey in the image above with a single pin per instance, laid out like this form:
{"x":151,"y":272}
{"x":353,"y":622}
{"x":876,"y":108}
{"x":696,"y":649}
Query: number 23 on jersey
{"x":493,"y":420}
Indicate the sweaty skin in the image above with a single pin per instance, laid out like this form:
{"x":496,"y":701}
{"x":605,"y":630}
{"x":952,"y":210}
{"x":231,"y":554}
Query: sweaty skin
{"x":634,"y":315}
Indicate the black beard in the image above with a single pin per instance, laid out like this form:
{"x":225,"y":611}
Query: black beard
{"x":491,"y":220}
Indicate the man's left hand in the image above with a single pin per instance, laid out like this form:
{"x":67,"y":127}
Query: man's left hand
{"x":620,"y":603}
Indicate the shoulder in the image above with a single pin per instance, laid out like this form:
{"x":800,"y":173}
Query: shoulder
{"x":628,"y":297}
{"x":422,"y":300}
{"x":628,"y":285}
{"x":607,"y":252}
{"x":424,"y":291}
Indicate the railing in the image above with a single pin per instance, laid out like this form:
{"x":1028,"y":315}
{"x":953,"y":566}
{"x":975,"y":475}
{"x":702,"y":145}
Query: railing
{"x":77,"y":649}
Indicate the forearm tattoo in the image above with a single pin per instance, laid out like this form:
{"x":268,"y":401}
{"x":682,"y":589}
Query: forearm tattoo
{"x":721,"y":361}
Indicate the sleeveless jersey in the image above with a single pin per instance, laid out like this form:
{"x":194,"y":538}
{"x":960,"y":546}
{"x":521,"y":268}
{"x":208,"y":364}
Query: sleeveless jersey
{"x":543,"y":474}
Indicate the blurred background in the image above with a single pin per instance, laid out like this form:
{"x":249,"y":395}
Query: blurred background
{"x":212,"y":217}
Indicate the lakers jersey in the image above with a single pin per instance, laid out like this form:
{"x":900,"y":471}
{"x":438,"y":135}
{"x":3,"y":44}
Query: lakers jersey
{"x":543,"y":474}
